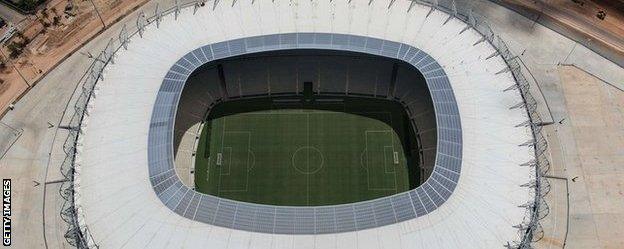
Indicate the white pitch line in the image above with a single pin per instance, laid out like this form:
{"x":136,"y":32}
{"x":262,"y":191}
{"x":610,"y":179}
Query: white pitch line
{"x":308,"y":158}
{"x":222,"y":144}
{"x":367,"y":161}
{"x":248,"y":149}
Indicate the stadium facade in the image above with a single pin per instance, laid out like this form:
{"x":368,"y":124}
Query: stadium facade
{"x":484,"y":187}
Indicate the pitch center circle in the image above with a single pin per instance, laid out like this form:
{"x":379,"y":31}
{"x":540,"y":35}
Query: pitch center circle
{"x":308,"y":160}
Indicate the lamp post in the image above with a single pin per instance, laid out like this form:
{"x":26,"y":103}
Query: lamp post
{"x":98,"y":13}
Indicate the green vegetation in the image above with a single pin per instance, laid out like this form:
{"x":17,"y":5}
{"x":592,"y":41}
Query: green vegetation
{"x":16,"y":48}
{"x":27,"y":5}
{"x":305,"y":152}
{"x":2,"y":63}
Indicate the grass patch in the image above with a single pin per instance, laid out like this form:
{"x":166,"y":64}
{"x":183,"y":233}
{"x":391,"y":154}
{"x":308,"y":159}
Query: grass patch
{"x":305,"y":153}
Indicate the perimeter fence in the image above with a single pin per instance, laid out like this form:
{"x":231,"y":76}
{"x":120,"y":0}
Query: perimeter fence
{"x":529,"y":230}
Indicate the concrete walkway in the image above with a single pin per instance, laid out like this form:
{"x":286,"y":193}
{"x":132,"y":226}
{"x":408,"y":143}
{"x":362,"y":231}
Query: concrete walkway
{"x":582,"y":90}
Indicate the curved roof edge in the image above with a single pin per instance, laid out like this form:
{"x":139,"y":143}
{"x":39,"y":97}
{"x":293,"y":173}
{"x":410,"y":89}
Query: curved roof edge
{"x":312,"y":219}
{"x":484,"y":204}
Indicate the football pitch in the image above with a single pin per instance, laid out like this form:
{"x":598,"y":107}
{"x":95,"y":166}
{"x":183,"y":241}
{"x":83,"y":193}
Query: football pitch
{"x":302,"y":157}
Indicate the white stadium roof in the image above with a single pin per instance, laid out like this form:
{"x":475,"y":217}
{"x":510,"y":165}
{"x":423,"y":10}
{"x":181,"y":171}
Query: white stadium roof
{"x":114,"y":186}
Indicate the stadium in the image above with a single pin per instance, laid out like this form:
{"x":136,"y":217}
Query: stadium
{"x":306,"y":124}
{"x":362,"y":135}
{"x":272,"y":164}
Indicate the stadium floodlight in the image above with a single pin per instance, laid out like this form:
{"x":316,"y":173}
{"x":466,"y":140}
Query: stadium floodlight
{"x":158,"y":15}
{"x":123,"y":37}
{"x":140,"y":23}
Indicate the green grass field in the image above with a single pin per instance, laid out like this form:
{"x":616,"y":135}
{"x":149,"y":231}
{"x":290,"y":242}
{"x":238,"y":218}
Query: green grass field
{"x":302,"y":157}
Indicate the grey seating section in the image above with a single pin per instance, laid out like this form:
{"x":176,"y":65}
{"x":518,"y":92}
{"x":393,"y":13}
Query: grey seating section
{"x":330,"y":77}
{"x":375,"y":78}
{"x":313,"y":219}
{"x":336,"y":74}
{"x":284,"y":74}
{"x":281,"y":77}
{"x":249,"y":78}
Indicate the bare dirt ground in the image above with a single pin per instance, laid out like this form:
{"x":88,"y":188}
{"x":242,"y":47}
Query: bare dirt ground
{"x":53,"y":35}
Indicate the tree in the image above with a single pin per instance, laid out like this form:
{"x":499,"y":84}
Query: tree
{"x":28,"y":4}
{"x":44,"y":13}
{"x":15,"y":49}
{"x":56,"y":20}
{"x":54,"y":11}
{"x":3,"y":65}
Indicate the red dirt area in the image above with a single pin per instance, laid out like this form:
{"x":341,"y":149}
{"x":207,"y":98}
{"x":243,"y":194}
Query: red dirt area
{"x":51,"y":35}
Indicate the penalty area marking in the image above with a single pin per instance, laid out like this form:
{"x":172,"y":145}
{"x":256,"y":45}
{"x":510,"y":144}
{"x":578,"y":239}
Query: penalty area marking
{"x":229,"y":165}
{"x":387,"y":170}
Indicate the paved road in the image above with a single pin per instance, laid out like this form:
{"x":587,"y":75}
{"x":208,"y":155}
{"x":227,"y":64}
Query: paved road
{"x":10,"y":15}
{"x":579,"y":23}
